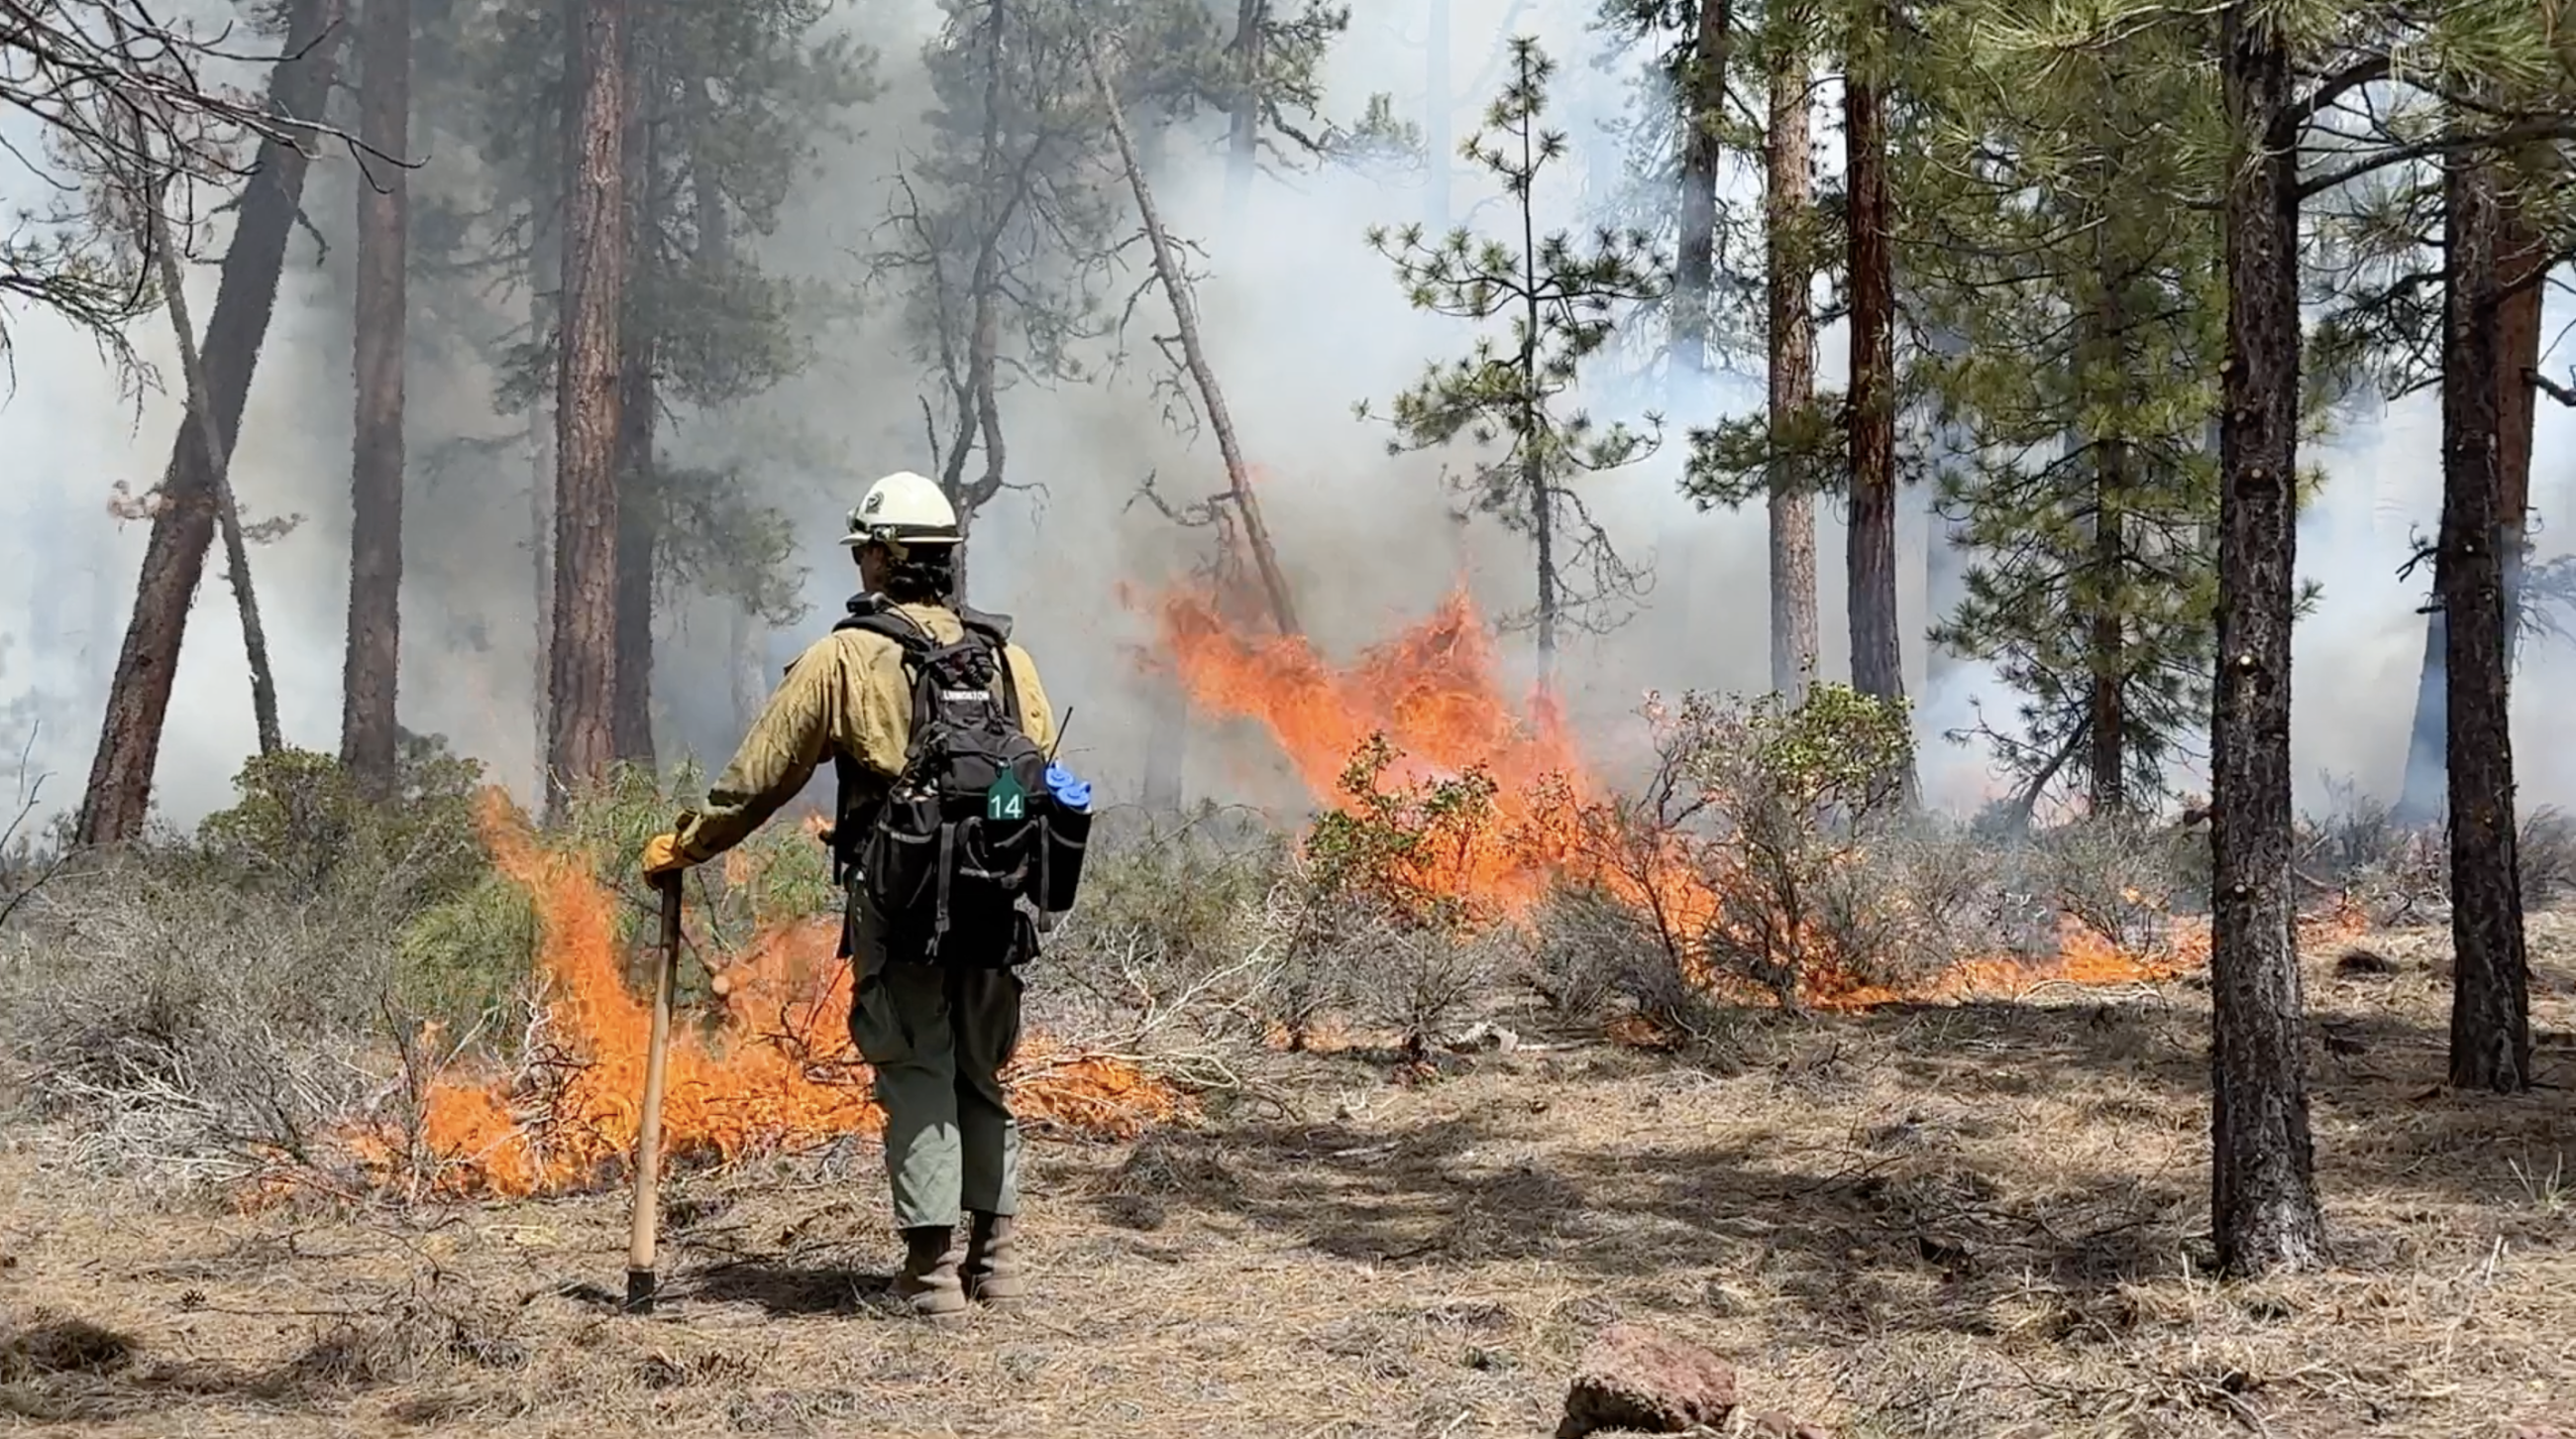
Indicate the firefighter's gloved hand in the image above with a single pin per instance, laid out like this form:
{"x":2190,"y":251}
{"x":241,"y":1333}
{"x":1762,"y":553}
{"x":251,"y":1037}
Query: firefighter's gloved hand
{"x":663,"y":855}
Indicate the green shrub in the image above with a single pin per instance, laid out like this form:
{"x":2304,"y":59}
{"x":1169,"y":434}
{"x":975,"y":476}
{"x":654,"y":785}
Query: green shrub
{"x":300,"y":829}
{"x":466,"y":962}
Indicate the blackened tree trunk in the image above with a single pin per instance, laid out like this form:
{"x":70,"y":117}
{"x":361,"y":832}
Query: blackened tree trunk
{"x":1877,"y":658}
{"x":119,"y":794}
{"x":368,"y":730}
{"x":1787,"y":199}
{"x":2490,"y":994}
{"x":638,"y":508}
{"x":582,"y":682}
{"x":1703,"y":98}
{"x":2263,"y":1175}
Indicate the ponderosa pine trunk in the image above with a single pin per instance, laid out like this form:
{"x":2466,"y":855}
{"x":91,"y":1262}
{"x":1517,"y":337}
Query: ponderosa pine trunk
{"x":638,"y":507}
{"x":1877,"y":655}
{"x":2106,"y":714}
{"x":1703,"y":98}
{"x":2490,"y":986}
{"x":582,"y":679}
{"x":2263,"y":1202}
{"x":1788,"y":197}
{"x":369,"y":731}
{"x":2522,"y":271}
{"x":2106,"y":632}
{"x":2522,"y":263}
{"x":118,"y":798}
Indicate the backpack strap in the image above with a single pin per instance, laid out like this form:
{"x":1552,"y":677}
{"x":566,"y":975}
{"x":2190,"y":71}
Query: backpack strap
{"x":995,"y":630}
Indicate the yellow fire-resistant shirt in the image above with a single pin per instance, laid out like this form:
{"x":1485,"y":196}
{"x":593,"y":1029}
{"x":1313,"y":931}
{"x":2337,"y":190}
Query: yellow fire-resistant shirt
{"x":847,"y":694}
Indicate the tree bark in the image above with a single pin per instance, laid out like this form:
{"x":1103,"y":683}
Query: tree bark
{"x":2521,"y":261}
{"x":638,"y":509}
{"x":1176,"y":289}
{"x":2490,"y":987}
{"x":1243,"y":125}
{"x":119,"y":794}
{"x":2263,"y":1171}
{"x":2106,"y":714}
{"x":371,"y":671}
{"x":2106,"y":636}
{"x":2522,"y":265}
{"x":263,"y":678}
{"x":1703,"y":95}
{"x":1877,"y":656}
{"x":1788,"y":197}
{"x":582,"y":683}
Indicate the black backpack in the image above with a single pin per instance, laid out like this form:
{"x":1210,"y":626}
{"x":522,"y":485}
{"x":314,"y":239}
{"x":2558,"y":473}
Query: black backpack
{"x":949,"y":848}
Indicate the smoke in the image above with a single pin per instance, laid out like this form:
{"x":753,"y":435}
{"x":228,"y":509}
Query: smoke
{"x":1302,"y":320}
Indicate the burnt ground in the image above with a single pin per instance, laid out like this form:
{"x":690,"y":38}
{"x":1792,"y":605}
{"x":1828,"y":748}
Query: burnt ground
{"x":1963,"y":1220}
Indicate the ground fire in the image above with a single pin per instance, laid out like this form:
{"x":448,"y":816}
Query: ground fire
{"x":771,"y":1071}
{"x":1433,"y":692}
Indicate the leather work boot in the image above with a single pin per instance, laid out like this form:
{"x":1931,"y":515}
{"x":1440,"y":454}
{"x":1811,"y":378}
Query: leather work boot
{"x":992,"y":1270}
{"x":928,"y":1287}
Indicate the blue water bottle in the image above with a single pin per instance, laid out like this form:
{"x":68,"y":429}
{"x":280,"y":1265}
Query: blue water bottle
{"x":1067,"y":826}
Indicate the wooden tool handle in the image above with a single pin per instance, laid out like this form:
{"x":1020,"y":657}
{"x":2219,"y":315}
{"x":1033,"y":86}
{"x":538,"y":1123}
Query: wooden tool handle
{"x":648,"y":1133}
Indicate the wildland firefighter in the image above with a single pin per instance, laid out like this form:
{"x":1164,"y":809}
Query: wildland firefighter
{"x":953,"y":824}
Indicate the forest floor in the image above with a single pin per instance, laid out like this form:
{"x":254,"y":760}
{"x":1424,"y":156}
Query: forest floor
{"x":1976,"y":1219}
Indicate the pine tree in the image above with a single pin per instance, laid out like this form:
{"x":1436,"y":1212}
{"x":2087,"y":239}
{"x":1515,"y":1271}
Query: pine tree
{"x":725,"y":108}
{"x":369,"y":732}
{"x":1795,"y":449}
{"x":2082,"y":283}
{"x":1562,"y":301}
{"x":119,"y":794}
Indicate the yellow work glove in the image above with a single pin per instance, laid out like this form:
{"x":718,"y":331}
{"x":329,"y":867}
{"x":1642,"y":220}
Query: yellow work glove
{"x":662,"y":855}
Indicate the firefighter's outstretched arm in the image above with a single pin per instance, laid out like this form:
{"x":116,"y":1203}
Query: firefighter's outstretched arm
{"x":787,"y":742}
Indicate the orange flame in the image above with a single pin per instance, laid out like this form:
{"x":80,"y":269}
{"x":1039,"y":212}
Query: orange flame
{"x":1433,"y":693}
{"x":773,"y":1072}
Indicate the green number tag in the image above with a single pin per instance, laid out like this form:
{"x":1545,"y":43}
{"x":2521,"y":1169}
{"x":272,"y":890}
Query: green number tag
{"x":1006,"y":800}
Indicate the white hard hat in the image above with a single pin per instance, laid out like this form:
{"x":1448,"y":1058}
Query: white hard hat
{"x":903,"y":509}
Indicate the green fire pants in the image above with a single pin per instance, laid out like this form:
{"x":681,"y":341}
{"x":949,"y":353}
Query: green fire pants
{"x":937,"y":1037}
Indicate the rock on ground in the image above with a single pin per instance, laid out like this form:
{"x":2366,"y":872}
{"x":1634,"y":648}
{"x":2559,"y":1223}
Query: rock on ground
{"x":1637,"y":1380}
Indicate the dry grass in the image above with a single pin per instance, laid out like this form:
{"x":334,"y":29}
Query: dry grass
{"x":1972,"y":1220}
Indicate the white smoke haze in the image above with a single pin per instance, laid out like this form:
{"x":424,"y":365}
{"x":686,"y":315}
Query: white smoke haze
{"x":1302,"y":319}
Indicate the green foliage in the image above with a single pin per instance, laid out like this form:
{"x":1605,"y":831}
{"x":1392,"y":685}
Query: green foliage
{"x":301,"y":828}
{"x":1775,"y":806}
{"x":465,"y":962}
{"x":2083,"y":311}
{"x":1401,"y":849}
{"x":1563,"y":301}
{"x":735,"y":101}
